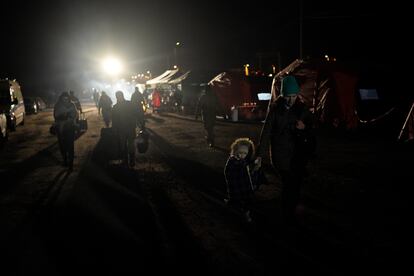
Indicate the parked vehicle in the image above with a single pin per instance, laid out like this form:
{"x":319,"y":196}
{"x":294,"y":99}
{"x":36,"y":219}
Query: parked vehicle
{"x":30,"y":105}
{"x":3,"y":129}
{"x":12,"y":103}
{"x":41,"y":105}
{"x":34,"y":104}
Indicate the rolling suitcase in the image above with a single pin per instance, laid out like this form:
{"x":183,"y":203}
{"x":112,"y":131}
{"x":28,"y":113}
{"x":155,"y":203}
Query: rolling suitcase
{"x":83,"y":122}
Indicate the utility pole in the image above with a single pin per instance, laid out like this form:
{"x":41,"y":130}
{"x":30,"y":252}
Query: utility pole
{"x":260,"y":55}
{"x":300,"y":29}
{"x":177,"y":44}
{"x":175,"y":56}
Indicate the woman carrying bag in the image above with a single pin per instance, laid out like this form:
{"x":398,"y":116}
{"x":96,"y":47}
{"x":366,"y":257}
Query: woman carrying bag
{"x":65,"y":114}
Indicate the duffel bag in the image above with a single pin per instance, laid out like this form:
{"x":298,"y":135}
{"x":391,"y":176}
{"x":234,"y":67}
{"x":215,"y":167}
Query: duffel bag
{"x":83,"y":122}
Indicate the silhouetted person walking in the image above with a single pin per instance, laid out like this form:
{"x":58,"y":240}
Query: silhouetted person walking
{"x":207,"y":105}
{"x":289,"y":127}
{"x":138,"y":100}
{"x":95,"y":95}
{"x":124,"y":122}
{"x":105,"y":108}
{"x":65,"y":115}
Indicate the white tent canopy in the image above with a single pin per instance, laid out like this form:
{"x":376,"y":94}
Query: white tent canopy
{"x":179,"y":79}
{"x":163,"y":78}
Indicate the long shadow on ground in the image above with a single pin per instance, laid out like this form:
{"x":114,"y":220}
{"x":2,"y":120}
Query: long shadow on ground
{"x":107,"y":226}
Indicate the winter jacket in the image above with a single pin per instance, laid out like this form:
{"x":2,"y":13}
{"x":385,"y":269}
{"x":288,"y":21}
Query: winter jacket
{"x":65,"y":115}
{"x":287,"y":143}
{"x":207,"y":107}
{"x":105,"y":106}
{"x":238,"y":179}
{"x":138,"y":100}
{"x":156,"y":99}
{"x":124,"y":117}
{"x":105,"y":103}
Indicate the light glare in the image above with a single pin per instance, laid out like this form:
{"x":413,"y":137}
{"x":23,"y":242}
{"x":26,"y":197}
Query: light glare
{"x":112,"y":66}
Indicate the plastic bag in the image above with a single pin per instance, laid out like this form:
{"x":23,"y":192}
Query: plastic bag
{"x":142,"y":141}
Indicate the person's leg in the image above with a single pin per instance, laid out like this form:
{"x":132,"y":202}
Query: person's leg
{"x":71,"y":147}
{"x":292,"y":183}
{"x":107,"y":121}
{"x":142,"y":121}
{"x":289,"y":195}
{"x":209,"y":126}
{"x":245,"y":207}
{"x":209,"y":133}
{"x":123,"y":152}
{"x":61,"y":139}
{"x":106,"y":114}
{"x":68,"y":140}
{"x":131,"y":149}
{"x":295,"y":191}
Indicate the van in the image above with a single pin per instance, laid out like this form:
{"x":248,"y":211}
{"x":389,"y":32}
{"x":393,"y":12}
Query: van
{"x":11,"y":103}
{"x":3,"y":129}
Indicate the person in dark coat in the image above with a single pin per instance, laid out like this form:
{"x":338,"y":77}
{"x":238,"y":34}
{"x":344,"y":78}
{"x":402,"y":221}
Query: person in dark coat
{"x":207,"y":105}
{"x":105,"y":108}
{"x":240,"y":174}
{"x":65,"y":115}
{"x":124,"y":122}
{"x":95,"y":95}
{"x":289,"y":127}
{"x":138,"y":100}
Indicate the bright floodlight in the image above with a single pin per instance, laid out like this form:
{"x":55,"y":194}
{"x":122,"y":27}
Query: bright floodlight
{"x":112,"y":66}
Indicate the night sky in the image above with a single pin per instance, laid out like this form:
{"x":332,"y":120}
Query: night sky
{"x":55,"y":45}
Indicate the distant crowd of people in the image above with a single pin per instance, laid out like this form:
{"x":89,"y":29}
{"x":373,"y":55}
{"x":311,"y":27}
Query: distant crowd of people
{"x":124,"y":117}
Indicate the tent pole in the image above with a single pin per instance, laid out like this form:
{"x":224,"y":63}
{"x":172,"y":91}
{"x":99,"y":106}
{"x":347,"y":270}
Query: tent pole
{"x":406,"y":121}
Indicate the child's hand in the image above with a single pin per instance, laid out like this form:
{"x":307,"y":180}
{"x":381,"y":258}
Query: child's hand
{"x":300,"y":125}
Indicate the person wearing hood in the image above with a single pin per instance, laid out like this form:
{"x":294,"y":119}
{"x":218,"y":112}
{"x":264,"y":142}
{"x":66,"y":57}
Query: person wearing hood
{"x":241,"y":174}
{"x":289,"y":128}
{"x":65,"y":114}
